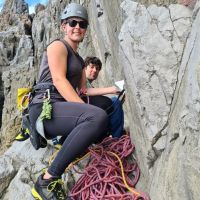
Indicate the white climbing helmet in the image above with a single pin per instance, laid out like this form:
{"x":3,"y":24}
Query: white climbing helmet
{"x":74,"y":10}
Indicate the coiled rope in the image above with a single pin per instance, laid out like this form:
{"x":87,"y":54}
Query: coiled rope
{"x":109,"y":175}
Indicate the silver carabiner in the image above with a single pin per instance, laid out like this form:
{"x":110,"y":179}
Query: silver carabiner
{"x":48,"y":94}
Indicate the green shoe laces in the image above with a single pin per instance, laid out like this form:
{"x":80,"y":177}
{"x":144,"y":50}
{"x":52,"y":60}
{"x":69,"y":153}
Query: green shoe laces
{"x":58,"y":187}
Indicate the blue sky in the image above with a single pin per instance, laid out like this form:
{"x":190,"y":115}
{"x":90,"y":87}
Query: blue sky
{"x":1,"y":4}
{"x":31,"y":4}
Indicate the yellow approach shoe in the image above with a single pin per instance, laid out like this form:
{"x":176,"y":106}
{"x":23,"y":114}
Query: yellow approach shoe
{"x":24,"y":135}
{"x":51,"y":189}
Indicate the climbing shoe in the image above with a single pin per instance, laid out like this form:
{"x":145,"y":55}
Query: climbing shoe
{"x":51,"y":189}
{"x":23,"y":135}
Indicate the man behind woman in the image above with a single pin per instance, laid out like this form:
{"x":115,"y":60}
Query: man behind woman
{"x":93,"y":66}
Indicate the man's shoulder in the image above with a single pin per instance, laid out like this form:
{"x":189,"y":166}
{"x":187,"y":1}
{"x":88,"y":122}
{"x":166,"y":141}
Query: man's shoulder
{"x":89,"y":85}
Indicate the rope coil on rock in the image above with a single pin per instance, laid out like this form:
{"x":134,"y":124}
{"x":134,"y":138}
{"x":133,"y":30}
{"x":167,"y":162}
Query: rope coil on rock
{"x":110,"y":175}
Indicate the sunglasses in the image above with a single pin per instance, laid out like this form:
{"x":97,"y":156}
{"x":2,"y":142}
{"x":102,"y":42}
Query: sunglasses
{"x":73,"y":23}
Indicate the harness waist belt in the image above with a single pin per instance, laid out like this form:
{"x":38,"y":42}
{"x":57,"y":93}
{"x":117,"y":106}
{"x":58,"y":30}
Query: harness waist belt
{"x":44,"y":86}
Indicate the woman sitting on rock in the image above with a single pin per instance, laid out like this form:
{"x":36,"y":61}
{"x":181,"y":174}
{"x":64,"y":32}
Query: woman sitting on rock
{"x":63,"y":69}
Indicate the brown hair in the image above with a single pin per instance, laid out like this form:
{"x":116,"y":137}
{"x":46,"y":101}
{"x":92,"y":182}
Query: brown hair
{"x":93,"y":60}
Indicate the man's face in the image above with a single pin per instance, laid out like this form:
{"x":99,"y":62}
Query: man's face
{"x":92,"y":72}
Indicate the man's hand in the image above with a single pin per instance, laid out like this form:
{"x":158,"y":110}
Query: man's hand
{"x":82,"y":92}
{"x":115,"y":90}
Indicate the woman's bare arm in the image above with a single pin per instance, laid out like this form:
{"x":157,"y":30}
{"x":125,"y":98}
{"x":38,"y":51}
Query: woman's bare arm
{"x":82,"y":86}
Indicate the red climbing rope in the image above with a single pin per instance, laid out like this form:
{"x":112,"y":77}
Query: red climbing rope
{"x":110,"y":174}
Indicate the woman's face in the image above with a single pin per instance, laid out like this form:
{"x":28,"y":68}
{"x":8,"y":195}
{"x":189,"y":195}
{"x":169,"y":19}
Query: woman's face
{"x":75,"y":29}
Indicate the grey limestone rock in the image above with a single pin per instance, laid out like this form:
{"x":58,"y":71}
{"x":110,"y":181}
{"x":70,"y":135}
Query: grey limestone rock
{"x":15,"y":6}
{"x":7,"y":172}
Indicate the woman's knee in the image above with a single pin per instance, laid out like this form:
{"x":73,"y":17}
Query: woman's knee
{"x":101,"y":125}
{"x":101,"y":119}
{"x":101,"y":114}
{"x":95,"y":117}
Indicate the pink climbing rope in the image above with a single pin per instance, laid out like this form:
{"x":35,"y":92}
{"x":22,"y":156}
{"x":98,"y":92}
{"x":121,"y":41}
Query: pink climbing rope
{"x":187,"y":2}
{"x":103,"y":178}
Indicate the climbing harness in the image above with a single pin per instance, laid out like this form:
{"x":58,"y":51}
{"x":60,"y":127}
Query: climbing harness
{"x":38,"y":136}
{"x":24,"y":98}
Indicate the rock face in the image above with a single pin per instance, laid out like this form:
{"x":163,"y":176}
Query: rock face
{"x":181,"y":159}
{"x":154,"y":46}
{"x":15,"y":7}
{"x":151,"y":68}
{"x":16,"y":62}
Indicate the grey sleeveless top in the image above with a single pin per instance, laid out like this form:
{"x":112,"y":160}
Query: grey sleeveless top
{"x":75,"y":65}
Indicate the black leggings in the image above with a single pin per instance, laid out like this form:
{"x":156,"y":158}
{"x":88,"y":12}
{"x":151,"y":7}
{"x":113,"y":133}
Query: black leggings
{"x":100,"y":101}
{"x":81,"y":124}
